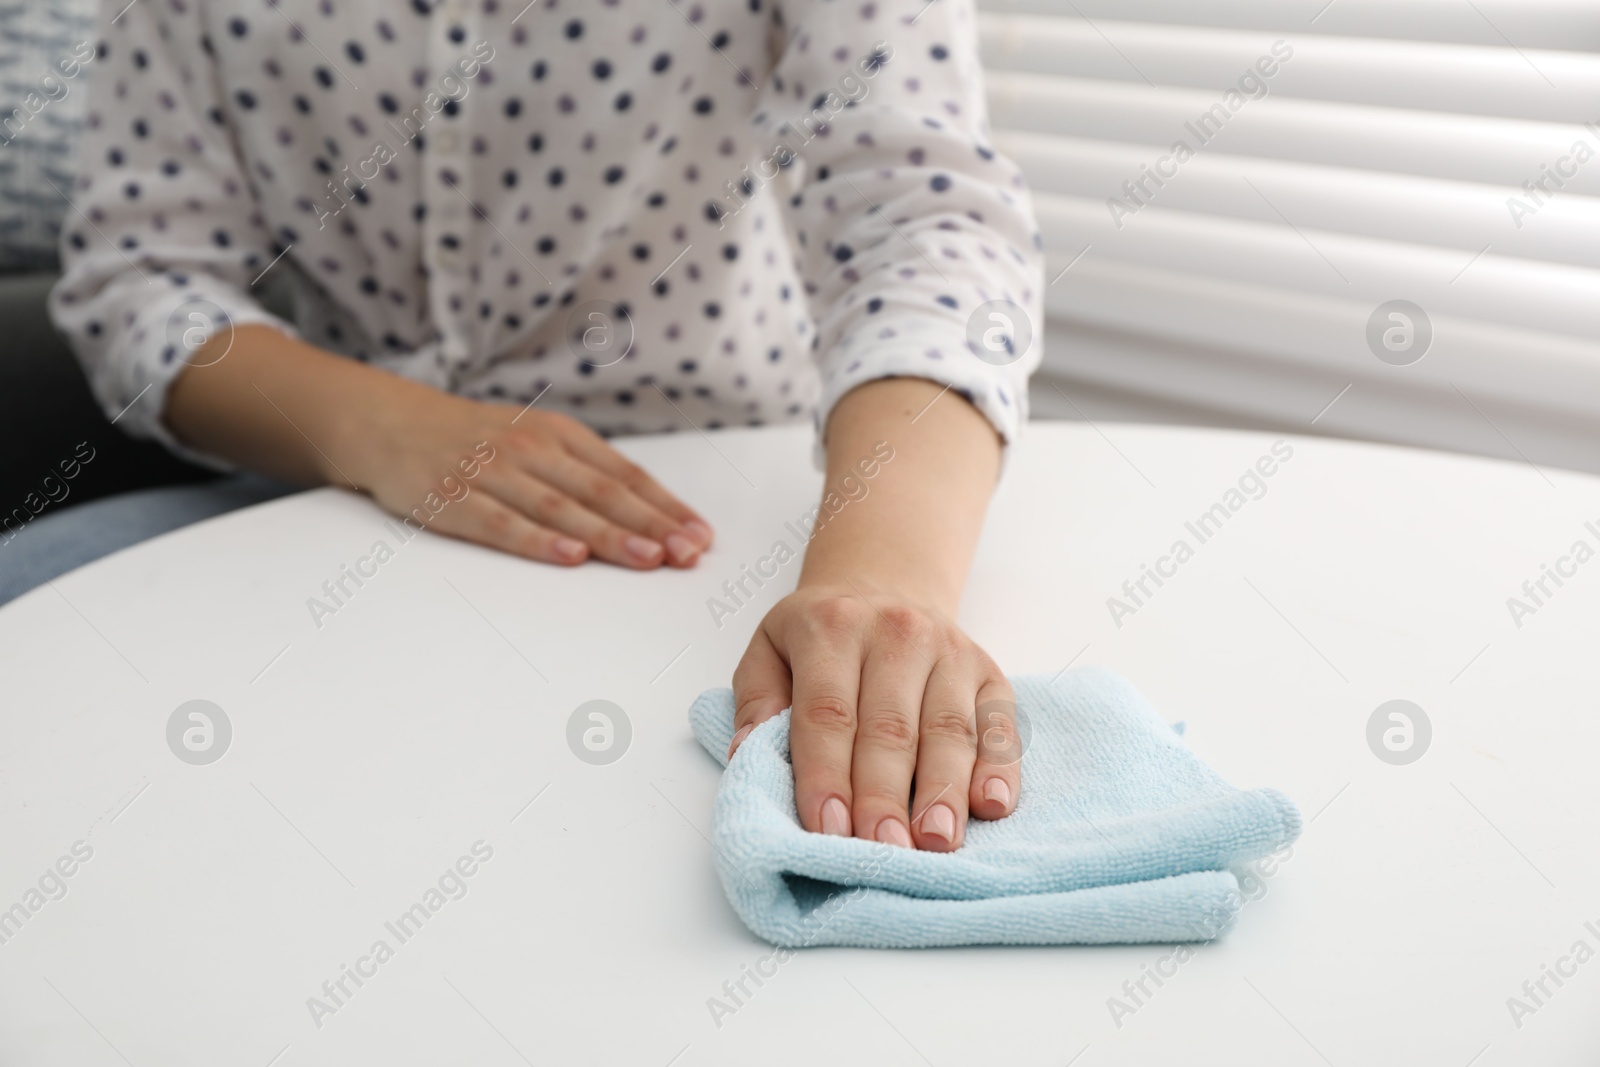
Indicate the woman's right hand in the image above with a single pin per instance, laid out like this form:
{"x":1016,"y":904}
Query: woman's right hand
{"x":542,"y":485}
{"x":533,"y":483}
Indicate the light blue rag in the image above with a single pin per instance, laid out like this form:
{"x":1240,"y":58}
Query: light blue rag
{"x":1121,"y":835}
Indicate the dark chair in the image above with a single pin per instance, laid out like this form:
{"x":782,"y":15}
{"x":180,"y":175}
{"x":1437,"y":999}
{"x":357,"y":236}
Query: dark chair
{"x":46,"y":411}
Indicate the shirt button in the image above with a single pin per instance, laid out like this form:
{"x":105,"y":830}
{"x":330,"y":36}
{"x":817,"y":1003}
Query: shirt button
{"x":447,"y":141}
{"x":450,"y":261}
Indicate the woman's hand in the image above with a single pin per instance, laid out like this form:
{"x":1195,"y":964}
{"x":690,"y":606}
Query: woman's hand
{"x":547,"y":487}
{"x":529,"y":482}
{"x":902,"y":727}
{"x":888,"y":697}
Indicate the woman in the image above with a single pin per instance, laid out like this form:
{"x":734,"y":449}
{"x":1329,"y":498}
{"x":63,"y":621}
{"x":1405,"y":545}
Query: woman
{"x":521,"y":228}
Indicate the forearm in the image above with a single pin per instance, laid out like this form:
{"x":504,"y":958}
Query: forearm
{"x":279,"y":406}
{"x":914,"y":532}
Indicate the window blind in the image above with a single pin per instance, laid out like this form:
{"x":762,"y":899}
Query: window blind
{"x":1233,"y":194}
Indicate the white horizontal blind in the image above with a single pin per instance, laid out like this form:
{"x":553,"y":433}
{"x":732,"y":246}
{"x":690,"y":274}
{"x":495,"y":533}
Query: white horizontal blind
{"x":1370,"y":157}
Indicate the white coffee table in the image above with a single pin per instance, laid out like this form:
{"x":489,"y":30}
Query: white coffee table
{"x":430,"y":713}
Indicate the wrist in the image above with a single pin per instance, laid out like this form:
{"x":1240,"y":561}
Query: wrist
{"x":926,"y":587}
{"x":372,"y":415}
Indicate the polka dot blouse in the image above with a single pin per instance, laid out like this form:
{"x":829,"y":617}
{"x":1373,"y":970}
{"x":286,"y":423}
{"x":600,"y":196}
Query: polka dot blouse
{"x":650,"y":214}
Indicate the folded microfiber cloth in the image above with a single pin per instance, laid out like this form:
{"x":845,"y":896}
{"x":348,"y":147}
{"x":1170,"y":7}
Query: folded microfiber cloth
{"x":1121,"y":835}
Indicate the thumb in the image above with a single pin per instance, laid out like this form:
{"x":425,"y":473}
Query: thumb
{"x":761,"y":687}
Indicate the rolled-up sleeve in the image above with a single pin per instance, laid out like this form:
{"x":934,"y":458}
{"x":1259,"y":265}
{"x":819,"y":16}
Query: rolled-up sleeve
{"x":164,"y":238}
{"x":916,"y":239}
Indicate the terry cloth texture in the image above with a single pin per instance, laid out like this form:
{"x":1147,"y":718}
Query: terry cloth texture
{"x":1121,"y":835}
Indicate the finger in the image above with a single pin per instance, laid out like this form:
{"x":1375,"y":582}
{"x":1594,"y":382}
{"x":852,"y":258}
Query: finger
{"x":550,"y":507}
{"x":760,"y":688}
{"x":946,"y":752}
{"x":892,"y":683}
{"x":592,"y":449}
{"x":484,"y":520}
{"x":997,"y":771}
{"x":606,"y":496}
{"x":825,"y":662}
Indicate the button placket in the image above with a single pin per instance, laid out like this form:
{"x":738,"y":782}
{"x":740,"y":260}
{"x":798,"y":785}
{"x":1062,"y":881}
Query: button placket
{"x":446,"y":210}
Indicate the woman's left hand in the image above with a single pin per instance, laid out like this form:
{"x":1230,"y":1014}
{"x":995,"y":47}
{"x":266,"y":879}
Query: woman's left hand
{"x":888,"y":695}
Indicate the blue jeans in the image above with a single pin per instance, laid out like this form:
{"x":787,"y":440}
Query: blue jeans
{"x":57,"y":542}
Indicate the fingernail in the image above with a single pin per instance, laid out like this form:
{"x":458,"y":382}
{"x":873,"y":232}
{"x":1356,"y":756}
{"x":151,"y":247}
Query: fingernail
{"x":997,"y":789}
{"x":738,"y":738}
{"x":681,"y":549}
{"x":641,"y":549}
{"x":570,"y":550}
{"x":835,"y":817}
{"x":939,"y":821}
{"x":700,"y":531}
{"x":891,"y":832}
